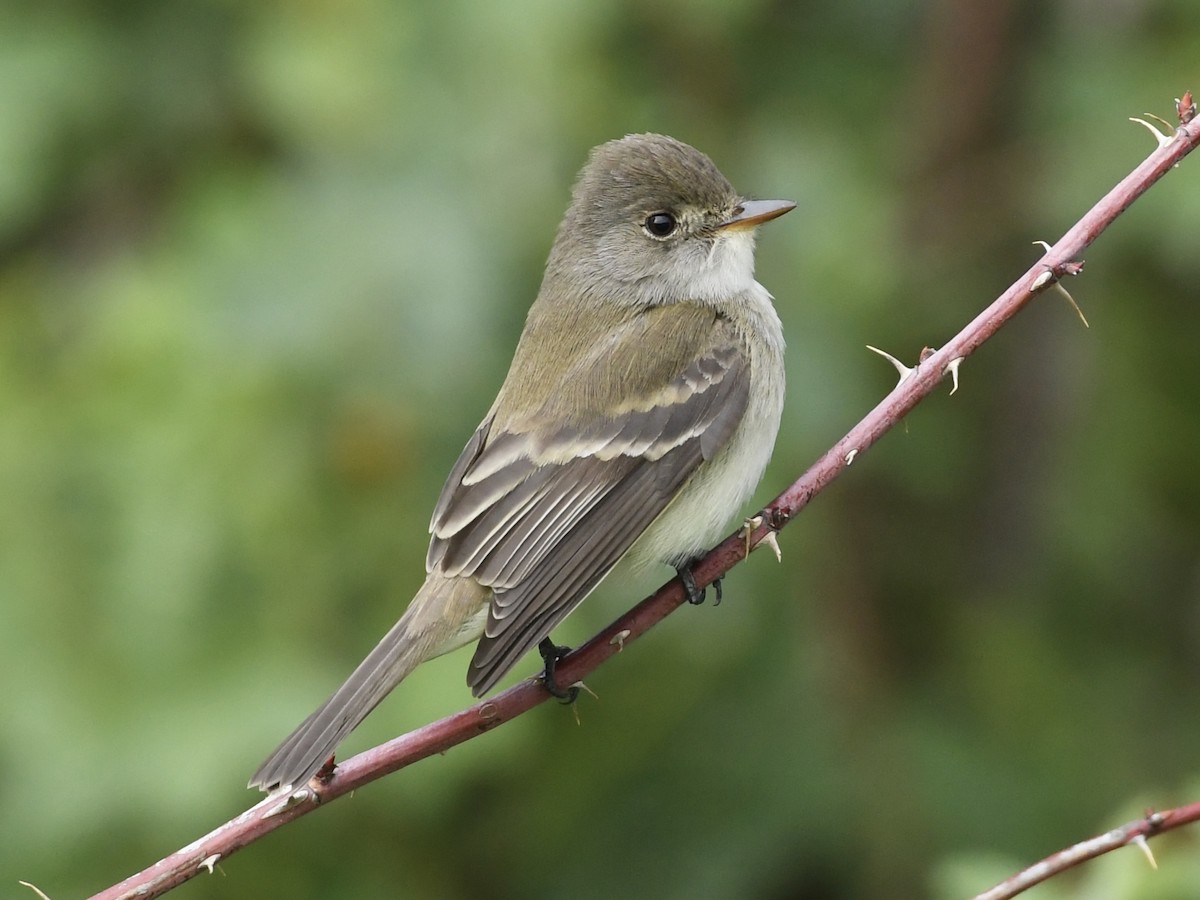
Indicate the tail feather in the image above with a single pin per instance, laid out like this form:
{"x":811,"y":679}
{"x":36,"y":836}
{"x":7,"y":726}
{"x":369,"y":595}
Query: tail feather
{"x":441,"y":617}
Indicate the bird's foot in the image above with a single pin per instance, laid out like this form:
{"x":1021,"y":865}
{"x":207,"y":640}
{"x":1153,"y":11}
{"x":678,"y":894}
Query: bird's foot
{"x":551,"y":653}
{"x":696,"y":595}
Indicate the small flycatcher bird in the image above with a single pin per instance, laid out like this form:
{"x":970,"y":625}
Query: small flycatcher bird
{"x":637,"y":417}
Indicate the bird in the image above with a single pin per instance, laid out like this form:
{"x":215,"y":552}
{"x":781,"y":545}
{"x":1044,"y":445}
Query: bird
{"x":638,"y":415}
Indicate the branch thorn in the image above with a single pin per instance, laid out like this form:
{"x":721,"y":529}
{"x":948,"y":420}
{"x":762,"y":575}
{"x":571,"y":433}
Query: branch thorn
{"x":583,"y":687}
{"x":952,"y":368}
{"x":904,"y":370}
{"x":850,"y":454}
{"x":618,"y":639}
{"x":748,"y":528}
{"x":209,"y":863}
{"x":287,"y":797}
{"x":773,"y":542}
{"x":1139,"y":840}
{"x":1162,"y":139}
{"x":751,"y":525}
{"x":1055,"y":274}
{"x":488,"y":711}
{"x":1075,"y":306}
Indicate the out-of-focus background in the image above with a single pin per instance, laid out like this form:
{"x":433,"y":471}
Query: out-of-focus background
{"x":262,"y":267}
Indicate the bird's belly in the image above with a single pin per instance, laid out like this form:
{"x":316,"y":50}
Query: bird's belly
{"x":720,"y":487}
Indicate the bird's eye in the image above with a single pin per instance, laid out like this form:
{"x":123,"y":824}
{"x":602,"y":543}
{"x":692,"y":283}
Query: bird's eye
{"x":660,"y":224}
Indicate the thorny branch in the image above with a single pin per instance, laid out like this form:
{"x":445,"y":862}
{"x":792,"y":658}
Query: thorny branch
{"x":915,"y":384}
{"x":1135,"y":832}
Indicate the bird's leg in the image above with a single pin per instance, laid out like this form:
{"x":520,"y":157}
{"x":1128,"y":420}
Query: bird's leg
{"x":695,"y":595}
{"x":551,"y":653}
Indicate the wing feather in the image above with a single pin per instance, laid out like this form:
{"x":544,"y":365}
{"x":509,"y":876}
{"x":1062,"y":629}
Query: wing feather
{"x":541,"y":509}
{"x":522,"y":616}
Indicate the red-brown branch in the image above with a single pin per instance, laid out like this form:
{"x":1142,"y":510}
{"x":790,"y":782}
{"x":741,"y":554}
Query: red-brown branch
{"x":1135,"y":832}
{"x":1059,"y":260}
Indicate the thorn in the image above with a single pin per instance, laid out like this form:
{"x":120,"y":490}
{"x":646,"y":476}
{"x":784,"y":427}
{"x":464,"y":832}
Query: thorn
{"x":1144,"y":845}
{"x":952,"y":368}
{"x":287,"y":799}
{"x":1160,"y":120}
{"x":1042,"y":280}
{"x":1162,"y":139}
{"x":1072,"y":267}
{"x":584,"y":687}
{"x":850,"y":454}
{"x":1068,"y":268}
{"x":209,"y":863}
{"x":1046,"y":277}
{"x":580,"y":686}
{"x":488,"y":710}
{"x":618,"y":640}
{"x":749,"y":526}
{"x":904,"y":370}
{"x":1075,"y":306}
{"x":33,"y":887}
{"x":773,"y":542}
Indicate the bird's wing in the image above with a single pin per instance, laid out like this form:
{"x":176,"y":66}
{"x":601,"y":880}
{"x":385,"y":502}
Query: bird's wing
{"x":540,"y":507}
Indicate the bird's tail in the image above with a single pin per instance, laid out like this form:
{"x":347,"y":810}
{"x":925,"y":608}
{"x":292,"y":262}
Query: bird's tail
{"x":446,"y":613}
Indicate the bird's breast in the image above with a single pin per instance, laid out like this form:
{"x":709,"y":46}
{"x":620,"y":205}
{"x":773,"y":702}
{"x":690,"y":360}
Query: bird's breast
{"x":720,"y":487}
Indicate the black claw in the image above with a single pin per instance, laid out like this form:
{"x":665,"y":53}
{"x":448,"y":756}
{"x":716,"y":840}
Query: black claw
{"x":551,"y":653}
{"x":696,"y":595}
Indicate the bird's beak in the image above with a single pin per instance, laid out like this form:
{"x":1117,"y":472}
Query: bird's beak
{"x":754,"y":212}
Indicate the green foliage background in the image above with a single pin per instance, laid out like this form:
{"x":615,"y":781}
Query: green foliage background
{"x":262,"y":267}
